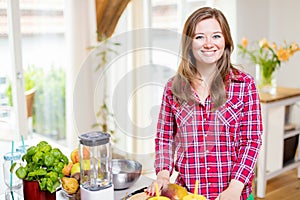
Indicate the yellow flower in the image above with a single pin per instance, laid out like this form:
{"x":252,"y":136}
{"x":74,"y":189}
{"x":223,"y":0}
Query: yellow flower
{"x":244,"y":42}
{"x":283,"y":54}
{"x":263,"y":43}
{"x":267,"y":55}
{"x":274,"y":45}
{"x":294,"y":48}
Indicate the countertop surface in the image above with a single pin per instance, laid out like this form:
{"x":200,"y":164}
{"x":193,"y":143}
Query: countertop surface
{"x":142,"y":182}
{"x":5,"y":146}
{"x":281,"y":93}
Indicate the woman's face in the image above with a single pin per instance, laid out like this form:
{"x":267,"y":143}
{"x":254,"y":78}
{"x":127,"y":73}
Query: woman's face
{"x":208,"y":42}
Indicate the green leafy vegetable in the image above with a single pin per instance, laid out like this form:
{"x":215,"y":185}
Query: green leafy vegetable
{"x":44,"y":164}
{"x":21,"y":172}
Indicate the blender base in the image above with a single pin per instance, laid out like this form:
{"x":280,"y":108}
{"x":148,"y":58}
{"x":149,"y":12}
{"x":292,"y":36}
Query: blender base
{"x":107,"y":194}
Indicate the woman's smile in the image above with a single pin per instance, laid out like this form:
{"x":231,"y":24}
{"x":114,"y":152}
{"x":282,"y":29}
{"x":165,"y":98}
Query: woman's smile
{"x":208,"y":43}
{"x":207,"y":53}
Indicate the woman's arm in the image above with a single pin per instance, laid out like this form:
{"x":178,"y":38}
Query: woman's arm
{"x":249,"y":136}
{"x":162,"y":179}
{"x":164,"y":142}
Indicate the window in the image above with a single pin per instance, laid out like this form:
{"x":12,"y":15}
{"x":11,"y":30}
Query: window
{"x":156,"y":52}
{"x":43,"y":60}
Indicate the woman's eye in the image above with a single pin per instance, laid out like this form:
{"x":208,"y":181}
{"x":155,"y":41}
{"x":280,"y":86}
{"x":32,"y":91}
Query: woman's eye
{"x":199,"y":37}
{"x":216,"y":36}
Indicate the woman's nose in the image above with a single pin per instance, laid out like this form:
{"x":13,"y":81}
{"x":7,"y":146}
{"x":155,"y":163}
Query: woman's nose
{"x":208,"y":42}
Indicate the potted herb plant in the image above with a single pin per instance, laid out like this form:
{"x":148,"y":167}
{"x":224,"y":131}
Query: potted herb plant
{"x":30,"y":88}
{"x":42,"y":171}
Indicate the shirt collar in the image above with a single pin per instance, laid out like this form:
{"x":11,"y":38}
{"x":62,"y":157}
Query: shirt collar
{"x":234,"y":75}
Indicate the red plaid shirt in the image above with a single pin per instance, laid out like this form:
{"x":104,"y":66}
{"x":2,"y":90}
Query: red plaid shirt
{"x":212,"y":147}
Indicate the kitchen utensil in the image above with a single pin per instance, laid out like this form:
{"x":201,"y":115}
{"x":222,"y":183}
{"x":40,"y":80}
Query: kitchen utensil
{"x":134,"y":193}
{"x":95,"y":166}
{"x":125,"y":173}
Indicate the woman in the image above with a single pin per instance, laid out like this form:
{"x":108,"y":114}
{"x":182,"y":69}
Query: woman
{"x":209,"y":127}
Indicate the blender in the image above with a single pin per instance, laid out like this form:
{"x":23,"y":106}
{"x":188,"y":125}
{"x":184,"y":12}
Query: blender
{"x":95,"y":166}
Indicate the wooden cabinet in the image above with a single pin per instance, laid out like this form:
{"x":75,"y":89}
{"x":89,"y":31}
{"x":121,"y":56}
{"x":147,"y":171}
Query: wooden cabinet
{"x":278,"y":131}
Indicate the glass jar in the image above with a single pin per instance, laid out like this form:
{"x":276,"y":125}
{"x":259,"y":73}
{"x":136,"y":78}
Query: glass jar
{"x":13,"y":194}
{"x":22,"y":149}
{"x":10,"y":177}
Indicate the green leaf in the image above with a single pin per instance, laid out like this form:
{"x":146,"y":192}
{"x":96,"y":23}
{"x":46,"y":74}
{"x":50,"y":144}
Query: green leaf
{"x":49,"y":159}
{"x":21,"y":172}
{"x":12,"y":167}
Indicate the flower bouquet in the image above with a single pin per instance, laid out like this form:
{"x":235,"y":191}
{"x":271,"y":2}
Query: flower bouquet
{"x":267,"y":57}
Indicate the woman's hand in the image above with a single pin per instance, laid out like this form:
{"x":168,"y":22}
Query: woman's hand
{"x":163,"y":179}
{"x":233,"y":192}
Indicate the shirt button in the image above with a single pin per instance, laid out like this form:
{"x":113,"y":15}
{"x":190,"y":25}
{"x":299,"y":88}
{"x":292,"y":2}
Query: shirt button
{"x":205,"y":135}
{"x":208,"y":183}
{"x":208,"y":168}
{"x":204,"y":119}
{"x":206,"y":151}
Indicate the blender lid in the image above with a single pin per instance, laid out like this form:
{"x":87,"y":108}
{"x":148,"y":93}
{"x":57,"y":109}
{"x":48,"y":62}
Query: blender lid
{"x":94,"y":138}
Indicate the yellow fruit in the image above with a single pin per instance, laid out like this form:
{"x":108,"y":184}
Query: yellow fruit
{"x":70,"y":185}
{"x":194,"y":197}
{"x":86,"y":165}
{"x":75,"y":154}
{"x":75,"y":168}
{"x":67,"y":169}
{"x":174,"y":191}
{"x":159,"y":198}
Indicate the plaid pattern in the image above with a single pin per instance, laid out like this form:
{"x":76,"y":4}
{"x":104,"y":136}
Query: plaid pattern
{"x":212,"y":147}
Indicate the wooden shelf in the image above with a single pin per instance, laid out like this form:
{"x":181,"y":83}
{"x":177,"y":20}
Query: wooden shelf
{"x":286,"y":168}
{"x":278,"y":132}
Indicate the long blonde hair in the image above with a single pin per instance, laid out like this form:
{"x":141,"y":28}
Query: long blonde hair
{"x":187,"y":71}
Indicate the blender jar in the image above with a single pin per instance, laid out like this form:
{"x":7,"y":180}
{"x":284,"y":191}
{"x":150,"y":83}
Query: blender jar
{"x":95,"y":166}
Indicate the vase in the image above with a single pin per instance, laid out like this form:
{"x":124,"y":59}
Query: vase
{"x":266,"y":80}
{"x":32,"y":191}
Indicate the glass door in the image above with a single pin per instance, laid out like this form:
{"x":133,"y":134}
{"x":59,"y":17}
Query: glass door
{"x":39,"y":26}
{"x":13,"y":121}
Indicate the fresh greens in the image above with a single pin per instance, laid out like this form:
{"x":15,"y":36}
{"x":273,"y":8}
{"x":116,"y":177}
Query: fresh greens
{"x":43,"y":164}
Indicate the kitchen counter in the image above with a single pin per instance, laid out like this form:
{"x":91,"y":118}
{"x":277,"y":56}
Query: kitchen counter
{"x":142,"y":182}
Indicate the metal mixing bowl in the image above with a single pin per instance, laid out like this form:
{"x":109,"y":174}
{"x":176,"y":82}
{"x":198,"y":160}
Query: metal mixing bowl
{"x":125,"y":173}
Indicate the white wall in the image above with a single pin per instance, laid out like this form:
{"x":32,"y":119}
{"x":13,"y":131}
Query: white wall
{"x":252,"y":22}
{"x":284,"y":25}
{"x":81,"y":35}
{"x":277,"y":21}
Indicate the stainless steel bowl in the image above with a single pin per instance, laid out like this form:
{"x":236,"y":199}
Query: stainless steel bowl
{"x":125,"y":173}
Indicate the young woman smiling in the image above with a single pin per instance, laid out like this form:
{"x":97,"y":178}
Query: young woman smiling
{"x":209,"y":127}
